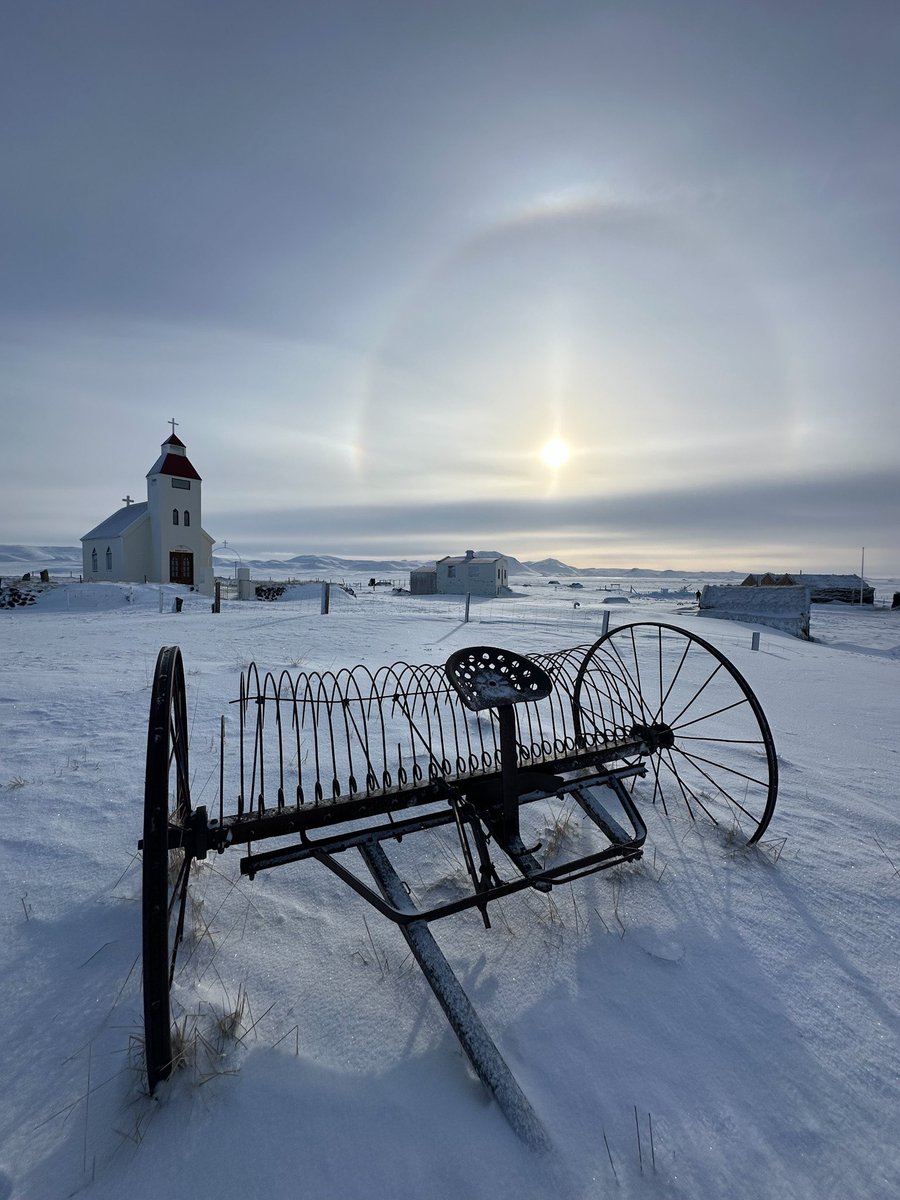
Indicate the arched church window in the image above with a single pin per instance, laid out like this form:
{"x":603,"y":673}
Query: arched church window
{"x":174,"y":516}
{"x":187,"y":517}
{"x":94,"y":561}
{"x":108,"y":559}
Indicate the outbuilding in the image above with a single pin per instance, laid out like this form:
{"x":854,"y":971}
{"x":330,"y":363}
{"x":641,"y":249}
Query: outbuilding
{"x":849,"y":589}
{"x":423,"y":580}
{"x":472,"y":574}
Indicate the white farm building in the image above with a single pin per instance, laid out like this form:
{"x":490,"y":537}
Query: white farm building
{"x":472,"y":574}
{"x":160,"y":539}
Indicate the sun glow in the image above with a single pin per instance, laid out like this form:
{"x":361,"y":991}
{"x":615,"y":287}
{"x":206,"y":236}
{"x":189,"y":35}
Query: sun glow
{"x":555,"y":453}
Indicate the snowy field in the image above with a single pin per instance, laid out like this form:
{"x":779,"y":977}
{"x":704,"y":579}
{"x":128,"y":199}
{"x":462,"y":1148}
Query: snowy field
{"x":743,"y":1002}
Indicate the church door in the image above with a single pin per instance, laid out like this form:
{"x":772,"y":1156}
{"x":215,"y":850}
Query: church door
{"x":181,"y":567}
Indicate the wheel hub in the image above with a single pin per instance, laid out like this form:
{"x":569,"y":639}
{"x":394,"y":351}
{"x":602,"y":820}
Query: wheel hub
{"x":656,"y":737}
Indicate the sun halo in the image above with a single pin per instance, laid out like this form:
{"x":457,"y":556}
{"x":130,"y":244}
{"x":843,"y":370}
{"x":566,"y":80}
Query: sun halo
{"x":555,"y":453}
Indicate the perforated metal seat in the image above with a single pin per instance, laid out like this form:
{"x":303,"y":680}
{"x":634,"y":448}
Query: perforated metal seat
{"x":489,"y":677}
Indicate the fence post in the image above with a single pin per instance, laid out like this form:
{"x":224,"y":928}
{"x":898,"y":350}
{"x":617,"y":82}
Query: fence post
{"x":326,"y":597}
{"x":604,"y":630}
{"x":468,"y":598}
{"x":754,"y":640}
{"x":217,"y":602}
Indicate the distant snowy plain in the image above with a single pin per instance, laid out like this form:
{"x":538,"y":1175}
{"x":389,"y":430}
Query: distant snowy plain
{"x":744,"y":1002}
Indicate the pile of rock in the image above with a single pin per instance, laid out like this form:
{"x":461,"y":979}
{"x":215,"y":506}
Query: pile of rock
{"x":16,"y":595}
{"x":269,"y":591}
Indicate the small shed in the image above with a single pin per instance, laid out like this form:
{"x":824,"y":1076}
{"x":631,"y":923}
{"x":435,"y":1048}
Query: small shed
{"x":474,"y":574}
{"x":423,"y":580}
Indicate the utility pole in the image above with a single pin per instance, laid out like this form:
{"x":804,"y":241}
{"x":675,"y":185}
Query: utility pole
{"x":862,"y":574}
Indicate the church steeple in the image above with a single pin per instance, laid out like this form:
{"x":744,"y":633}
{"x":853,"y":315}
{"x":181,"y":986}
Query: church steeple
{"x":173,"y":460}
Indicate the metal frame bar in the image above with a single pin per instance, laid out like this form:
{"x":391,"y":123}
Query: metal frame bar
{"x":486,"y":1059}
{"x":622,"y":848}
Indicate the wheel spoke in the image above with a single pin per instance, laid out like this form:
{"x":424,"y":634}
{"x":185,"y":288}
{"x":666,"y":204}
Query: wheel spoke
{"x":724,"y":791}
{"x":686,"y":789}
{"x":180,"y":883}
{"x":664,"y":698}
{"x":696,"y":696}
{"x":699,"y":737}
{"x":707,"y":716}
{"x":698,"y":758}
{"x":179,"y":932}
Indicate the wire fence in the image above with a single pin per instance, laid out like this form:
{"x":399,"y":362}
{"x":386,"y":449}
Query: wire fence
{"x":581,"y":617}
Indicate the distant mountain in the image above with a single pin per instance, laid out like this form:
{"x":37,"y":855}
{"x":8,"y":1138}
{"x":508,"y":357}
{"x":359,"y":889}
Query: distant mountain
{"x":324,"y":561}
{"x":552,"y":566}
{"x":40,"y":554}
{"x":16,"y":559}
{"x":319,"y":565}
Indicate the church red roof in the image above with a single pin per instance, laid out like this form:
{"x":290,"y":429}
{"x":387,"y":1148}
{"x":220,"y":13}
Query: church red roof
{"x":174,"y":440}
{"x":174,"y":464}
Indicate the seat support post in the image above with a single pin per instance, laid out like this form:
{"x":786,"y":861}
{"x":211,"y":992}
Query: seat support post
{"x":509,"y":773}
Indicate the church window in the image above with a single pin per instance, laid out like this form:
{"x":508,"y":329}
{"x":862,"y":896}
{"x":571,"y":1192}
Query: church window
{"x":187,"y":517}
{"x":182,"y":483}
{"x":174,"y":516}
{"x":108,"y":559}
{"x":94,"y":561}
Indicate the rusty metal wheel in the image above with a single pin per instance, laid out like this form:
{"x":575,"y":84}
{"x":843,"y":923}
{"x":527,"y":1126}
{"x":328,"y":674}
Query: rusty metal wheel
{"x":166,"y":855}
{"x":708,"y":744}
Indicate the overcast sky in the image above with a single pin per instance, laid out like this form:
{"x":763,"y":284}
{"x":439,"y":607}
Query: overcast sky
{"x":374,"y":257}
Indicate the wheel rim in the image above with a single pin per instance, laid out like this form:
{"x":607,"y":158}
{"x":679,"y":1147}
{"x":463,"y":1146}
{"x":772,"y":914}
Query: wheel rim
{"x":709,"y":746}
{"x":166,"y":868}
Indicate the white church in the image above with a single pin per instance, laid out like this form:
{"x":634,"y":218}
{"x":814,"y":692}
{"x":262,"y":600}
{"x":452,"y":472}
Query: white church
{"x":159,"y":540}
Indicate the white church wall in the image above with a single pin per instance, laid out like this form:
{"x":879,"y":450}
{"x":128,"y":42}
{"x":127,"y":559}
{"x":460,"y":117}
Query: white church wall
{"x":87,"y":559}
{"x":136,"y":554}
{"x":129,"y":557}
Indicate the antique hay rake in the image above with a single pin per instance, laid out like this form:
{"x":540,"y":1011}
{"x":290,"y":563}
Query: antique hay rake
{"x":486,"y":749}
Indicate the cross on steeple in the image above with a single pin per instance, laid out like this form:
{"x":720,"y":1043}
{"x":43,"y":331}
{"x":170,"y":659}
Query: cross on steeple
{"x":173,"y":423}
{"x":127,"y":501}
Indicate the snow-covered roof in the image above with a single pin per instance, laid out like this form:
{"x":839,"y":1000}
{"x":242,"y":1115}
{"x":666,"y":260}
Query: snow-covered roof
{"x":456,"y":560}
{"x":833,"y":581}
{"x":813,"y":581}
{"x":121,"y":520}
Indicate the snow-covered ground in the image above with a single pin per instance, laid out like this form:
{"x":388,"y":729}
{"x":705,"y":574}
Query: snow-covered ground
{"x":743,"y":1002}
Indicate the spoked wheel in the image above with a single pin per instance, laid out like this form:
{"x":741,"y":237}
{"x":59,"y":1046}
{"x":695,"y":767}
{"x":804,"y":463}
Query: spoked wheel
{"x":167,"y":857}
{"x":709,"y":745}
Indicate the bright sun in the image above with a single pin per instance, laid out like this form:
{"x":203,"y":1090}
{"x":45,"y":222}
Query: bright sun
{"x":555,"y":453}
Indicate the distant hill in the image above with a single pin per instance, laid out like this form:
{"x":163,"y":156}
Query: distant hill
{"x":41,"y":554}
{"x":17,"y":559}
{"x":318,"y":565}
{"x":552,"y":566}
